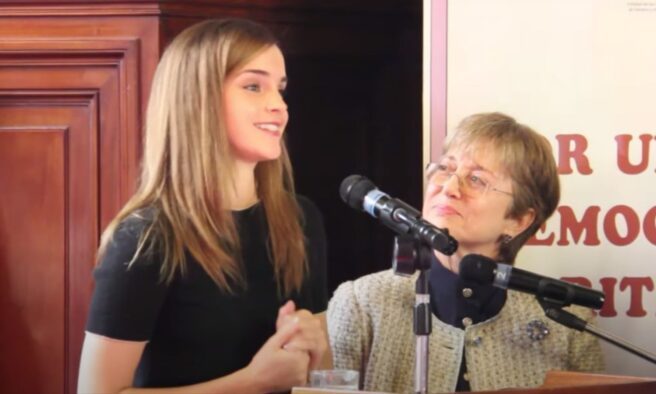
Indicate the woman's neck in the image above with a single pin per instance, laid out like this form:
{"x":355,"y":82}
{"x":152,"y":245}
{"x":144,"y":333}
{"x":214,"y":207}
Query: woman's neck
{"x":452,"y":263}
{"x":243,"y":194}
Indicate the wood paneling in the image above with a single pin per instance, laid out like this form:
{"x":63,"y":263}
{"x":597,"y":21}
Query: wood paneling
{"x":32,"y":258}
{"x":50,"y":222}
{"x":83,"y":78}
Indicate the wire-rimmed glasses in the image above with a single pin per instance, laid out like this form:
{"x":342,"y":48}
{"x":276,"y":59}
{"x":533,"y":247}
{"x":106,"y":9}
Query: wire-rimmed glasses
{"x":473,"y":182}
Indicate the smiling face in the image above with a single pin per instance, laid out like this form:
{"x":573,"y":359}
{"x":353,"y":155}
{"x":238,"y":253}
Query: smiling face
{"x":476,"y":219}
{"x":255,"y":112}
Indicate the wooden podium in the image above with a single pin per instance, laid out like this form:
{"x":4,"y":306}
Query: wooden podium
{"x":556,"y":382}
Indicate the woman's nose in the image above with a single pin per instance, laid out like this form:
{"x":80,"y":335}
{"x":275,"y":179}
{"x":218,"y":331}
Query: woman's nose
{"x":276,"y":102}
{"x":451,"y":185}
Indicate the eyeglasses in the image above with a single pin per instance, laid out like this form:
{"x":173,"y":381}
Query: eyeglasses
{"x":474,"y":183}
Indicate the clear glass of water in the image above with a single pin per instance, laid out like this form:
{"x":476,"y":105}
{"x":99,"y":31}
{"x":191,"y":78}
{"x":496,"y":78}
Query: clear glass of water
{"x":340,"y":379}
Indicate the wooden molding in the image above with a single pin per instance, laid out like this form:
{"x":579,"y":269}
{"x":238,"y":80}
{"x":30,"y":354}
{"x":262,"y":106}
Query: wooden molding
{"x":333,"y":12}
{"x":107,"y":64}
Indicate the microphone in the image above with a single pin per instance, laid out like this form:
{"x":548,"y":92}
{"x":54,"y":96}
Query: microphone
{"x":484,"y":270}
{"x":361,"y":194}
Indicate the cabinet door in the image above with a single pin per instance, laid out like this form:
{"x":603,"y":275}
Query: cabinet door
{"x":69,"y":134}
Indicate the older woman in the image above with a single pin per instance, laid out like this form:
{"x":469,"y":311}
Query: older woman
{"x":493,"y":188}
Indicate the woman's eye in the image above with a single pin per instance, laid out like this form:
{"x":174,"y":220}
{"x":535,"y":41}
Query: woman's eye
{"x":475,"y":180}
{"x":252,"y":87}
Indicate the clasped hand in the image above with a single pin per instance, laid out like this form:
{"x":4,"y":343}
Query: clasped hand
{"x":297,"y":347}
{"x":309,"y":337}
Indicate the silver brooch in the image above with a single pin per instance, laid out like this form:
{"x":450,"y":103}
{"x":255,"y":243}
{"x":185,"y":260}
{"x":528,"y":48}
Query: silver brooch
{"x":537,"y":330}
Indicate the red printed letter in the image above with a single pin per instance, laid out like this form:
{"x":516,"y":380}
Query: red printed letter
{"x":587,"y":224}
{"x":566,"y":153}
{"x":623,"y":154}
{"x":632,"y":225}
{"x":608,"y":287}
{"x":649,"y":225}
{"x":636,"y":285}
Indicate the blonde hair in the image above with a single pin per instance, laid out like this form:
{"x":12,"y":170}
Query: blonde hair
{"x":526,"y":157}
{"x":188,"y":164}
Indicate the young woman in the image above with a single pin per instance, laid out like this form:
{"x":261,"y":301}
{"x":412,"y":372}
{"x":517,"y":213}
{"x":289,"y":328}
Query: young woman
{"x":495,"y":185}
{"x":209,"y":275}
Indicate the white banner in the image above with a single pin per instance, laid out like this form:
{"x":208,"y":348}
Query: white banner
{"x":583,"y":73}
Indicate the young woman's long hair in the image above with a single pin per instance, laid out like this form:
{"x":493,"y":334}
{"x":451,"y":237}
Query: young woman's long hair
{"x":188,"y":164}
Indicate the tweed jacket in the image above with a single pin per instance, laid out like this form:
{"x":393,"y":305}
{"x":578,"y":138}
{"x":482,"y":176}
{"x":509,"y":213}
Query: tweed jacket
{"x":370,"y":325}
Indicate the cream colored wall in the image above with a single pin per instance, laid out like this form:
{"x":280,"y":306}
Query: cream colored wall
{"x":567,"y":67}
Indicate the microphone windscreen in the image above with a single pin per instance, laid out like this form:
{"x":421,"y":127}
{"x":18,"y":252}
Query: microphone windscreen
{"x":353,"y":190}
{"x":477,"y":268}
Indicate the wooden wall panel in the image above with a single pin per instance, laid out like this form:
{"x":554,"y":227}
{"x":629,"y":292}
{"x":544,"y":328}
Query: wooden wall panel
{"x":110,"y":25}
{"x":32,"y":258}
{"x":91,"y":89}
{"x":51,"y":198}
{"x":58,"y":232}
{"x":109,"y":66}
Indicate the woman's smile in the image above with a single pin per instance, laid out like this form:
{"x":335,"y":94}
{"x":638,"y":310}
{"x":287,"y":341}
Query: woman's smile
{"x":272,"y":128}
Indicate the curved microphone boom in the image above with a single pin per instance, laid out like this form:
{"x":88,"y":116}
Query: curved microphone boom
{"x":484,"y":270}
{"x":361,"y":194}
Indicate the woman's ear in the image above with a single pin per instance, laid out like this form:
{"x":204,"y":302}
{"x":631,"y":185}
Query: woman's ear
{"x":517,"y":225}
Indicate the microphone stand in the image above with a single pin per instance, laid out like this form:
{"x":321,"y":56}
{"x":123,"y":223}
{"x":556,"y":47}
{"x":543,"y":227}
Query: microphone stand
{"x":553,"y":310}
{"x":410,"y":255}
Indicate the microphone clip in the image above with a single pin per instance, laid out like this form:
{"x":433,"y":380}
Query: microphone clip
{"x":410,"y":255}
{"x":547,"y":286}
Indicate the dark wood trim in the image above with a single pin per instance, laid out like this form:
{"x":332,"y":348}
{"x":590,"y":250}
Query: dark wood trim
{"x":332,"y":12}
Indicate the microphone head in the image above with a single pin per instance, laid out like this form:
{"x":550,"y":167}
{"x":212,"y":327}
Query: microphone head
{"x":353,"y":190}
{"x":477,"y":268}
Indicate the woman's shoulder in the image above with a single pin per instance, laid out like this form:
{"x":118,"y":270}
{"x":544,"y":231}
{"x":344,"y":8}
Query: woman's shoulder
{"x":308,"y":207}
{"x":385,"y":280}
{"x":129,"y":230}
{"x":129,"y":237}
{"x":383,"y":286}
{"x":311,"y":217}
{"x":376,"y":300}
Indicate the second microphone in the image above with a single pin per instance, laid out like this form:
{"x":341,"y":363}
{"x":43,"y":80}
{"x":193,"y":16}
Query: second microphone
{"x":361,"y":194}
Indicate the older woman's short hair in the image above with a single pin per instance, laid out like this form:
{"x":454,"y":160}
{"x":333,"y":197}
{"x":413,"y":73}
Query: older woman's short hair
{"x":526,"y":157}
